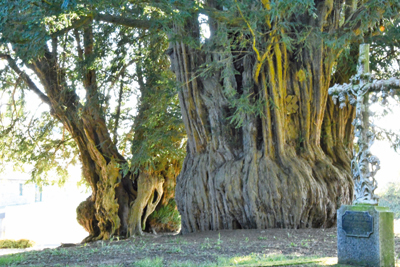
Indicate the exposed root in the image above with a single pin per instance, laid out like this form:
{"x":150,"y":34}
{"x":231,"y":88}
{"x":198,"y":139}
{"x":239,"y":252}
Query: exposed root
{"x":147,"y":185}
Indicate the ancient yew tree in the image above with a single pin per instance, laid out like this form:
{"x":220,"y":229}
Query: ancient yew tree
{"x":85,"y":71}
{"x":265,"y":145}
{"x":266,"y":148}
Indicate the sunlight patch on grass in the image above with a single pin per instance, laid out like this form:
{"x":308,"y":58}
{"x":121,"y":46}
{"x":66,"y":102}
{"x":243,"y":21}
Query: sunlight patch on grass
{"x":328,"y":261}
{"x":192,"y":264}
{"x":275,"y":260}
{"x":251,"y":260}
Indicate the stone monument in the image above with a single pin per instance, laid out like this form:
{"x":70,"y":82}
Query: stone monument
{"x":364,"y":229}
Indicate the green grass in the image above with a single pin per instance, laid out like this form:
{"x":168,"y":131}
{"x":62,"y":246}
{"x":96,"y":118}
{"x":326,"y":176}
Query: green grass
{"x":167,"y":216}
{"x":252,"y":260}
{"x":83,"y":255}
{"x":11,"y":260}
{"x":157,"y":262}
{"x":175,"y":249}
{"x":266,"y":260}
{"x":191,"y":264}
{"x":246,"y":261}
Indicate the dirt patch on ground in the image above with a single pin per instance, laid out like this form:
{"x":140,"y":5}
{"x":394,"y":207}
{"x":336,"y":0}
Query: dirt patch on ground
{"x":201,"y":248}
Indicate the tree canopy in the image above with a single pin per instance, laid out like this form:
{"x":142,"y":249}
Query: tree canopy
{"x":54,"y":30}
{"x":106,"y":97}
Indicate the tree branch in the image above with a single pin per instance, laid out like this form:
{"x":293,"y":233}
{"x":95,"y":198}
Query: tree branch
{"x":115,"y":79}
{"x":118,"y":110}
{"x":84,"y":21}
{"x":78,"y":44}
{"x":134,"y":23}
{"x":75,"y":25}
{"x":32,"y":86}
{"x":122,"y":71}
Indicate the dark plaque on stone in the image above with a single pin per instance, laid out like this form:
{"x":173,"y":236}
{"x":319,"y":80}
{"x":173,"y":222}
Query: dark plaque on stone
{"x":357,"y":223}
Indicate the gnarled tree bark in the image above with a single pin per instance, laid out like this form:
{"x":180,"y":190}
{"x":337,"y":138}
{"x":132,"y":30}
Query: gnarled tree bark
{"x":287,"y":167}
{"x":119,"y":204}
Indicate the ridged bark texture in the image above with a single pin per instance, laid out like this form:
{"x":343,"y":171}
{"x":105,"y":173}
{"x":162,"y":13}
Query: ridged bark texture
{"x":114,"y":200}
{"x":271,"y":171}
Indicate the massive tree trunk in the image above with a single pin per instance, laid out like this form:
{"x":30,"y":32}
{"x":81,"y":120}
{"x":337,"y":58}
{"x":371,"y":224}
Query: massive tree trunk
{"x":106,"y":212}
{"x":126,"y":202}
{"x":121,"y":200}
{"x":269,"y":170}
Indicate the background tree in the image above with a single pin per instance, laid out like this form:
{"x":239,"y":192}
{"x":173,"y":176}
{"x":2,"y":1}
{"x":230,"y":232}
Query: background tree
{"x":385,"y":55}
{"x":83,"y":70}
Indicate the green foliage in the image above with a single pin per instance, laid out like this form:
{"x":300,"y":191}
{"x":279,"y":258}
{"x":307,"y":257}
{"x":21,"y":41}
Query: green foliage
{"x":30,"y":30}
{"x":247,"y":105}
{"x":392,"y":137}
{"x":391,"y":198}
{"x":30,"y":137}
{"x":385,"y":63}
{"x":242,"y":32}
{"x":166,"y":217}
{"x":158,"y":143}
{"x":22,"y":243}
{"x":37,"y":141}
{"x":385,"y":50}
